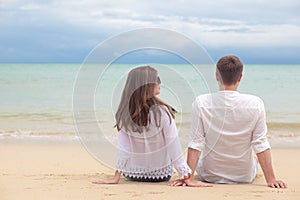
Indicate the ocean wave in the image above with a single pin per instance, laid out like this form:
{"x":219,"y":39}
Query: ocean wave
{"x":280,"y":129}
{"x":24,"y":134}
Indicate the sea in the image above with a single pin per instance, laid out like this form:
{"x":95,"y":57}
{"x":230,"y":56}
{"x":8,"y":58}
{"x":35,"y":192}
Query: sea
{"x":50,"y":101}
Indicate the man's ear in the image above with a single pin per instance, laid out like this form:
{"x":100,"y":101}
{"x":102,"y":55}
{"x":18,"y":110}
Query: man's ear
{"x":217,"y":76}
{"x":240,"y":78}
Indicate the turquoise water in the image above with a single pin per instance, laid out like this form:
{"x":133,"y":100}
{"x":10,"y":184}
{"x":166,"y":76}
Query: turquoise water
{"x":278,"y":86}
{"x":37,"y":98}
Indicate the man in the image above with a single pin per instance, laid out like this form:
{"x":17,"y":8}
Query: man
{"x":226,"y":128}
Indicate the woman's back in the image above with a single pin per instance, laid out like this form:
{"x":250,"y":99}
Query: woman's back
{"x":151,"y":152}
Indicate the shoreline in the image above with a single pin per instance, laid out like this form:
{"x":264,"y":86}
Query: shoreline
{"x":280,"y":135}
{"x":276,"y":142}
{"x":60,"y":170}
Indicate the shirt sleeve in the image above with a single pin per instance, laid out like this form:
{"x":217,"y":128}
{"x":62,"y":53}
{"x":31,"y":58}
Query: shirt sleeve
{"x":123,"y":151}
{"x":174,"y":148}
{"x":259,"y":135}
{"x":197,"y":136}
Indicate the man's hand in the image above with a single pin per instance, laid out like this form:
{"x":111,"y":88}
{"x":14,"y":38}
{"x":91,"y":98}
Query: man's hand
{"x":189,"y":182}
{"x":277,"y":184}
{"x":193,"y":183}
{"x":265,"y":161}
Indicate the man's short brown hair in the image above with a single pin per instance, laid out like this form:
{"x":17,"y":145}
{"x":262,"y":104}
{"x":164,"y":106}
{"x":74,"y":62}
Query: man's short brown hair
{"x":230,"y":68}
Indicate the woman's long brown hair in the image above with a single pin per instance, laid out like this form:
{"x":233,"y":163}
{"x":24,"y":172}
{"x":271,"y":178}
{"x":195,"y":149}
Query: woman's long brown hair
{"x":137,"y":98}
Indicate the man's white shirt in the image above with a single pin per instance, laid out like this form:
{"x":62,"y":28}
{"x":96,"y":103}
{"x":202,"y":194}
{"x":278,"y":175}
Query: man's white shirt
{"x":227,"y":127}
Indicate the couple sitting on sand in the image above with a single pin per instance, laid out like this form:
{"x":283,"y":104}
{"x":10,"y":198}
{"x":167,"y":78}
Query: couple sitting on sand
{"x":226,"y":128}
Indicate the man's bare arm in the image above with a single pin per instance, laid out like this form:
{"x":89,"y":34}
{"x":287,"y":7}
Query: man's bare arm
{"x":192,"y":161}
{"x":193,"y":158}
{"x":265,"y":161}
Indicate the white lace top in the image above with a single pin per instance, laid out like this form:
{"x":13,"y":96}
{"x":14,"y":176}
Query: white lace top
{"x":152,"y":153}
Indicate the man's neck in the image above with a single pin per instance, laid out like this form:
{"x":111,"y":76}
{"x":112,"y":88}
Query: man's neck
{"x":229,"y":87}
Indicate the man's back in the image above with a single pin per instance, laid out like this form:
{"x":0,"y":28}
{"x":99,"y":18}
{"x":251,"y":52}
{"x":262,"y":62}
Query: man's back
{"x":228,"y":124}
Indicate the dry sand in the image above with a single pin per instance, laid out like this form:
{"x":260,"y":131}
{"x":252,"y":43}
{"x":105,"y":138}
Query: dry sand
{"x":41,"y":170}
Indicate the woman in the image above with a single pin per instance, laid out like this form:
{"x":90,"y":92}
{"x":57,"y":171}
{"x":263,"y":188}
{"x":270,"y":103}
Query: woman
{"x":148,"y":143}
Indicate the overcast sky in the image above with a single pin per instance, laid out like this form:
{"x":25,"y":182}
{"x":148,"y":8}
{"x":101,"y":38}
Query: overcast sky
{"x":259,"y":31}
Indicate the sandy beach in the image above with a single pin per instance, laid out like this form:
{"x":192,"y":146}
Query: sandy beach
{"x":65,"y":170}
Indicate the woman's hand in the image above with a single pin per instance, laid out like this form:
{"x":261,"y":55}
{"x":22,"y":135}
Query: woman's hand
{"x":106,"y":181}
{"x":177,"y":182}
{"x":114,"y":180}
